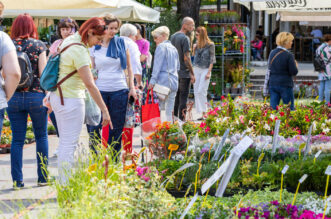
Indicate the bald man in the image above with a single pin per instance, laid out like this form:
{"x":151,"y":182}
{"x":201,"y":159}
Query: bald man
{"x":185,"y":75}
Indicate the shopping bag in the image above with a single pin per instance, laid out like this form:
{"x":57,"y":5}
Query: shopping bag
{"x":92,"y":111}
{"x":127,"y":138}
{"x":150,"y":112}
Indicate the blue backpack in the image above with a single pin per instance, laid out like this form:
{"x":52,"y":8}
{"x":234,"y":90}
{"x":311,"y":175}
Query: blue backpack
{"x":49,"y":78}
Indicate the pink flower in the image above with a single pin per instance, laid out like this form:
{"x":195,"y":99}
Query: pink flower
{"x":207,"y":129}
{"x":241,"y":118}
{"x":202,"y":125}
{"x":223,"y":104}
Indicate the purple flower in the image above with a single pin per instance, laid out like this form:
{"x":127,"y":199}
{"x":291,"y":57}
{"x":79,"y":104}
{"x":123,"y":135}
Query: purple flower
{"x":275,"y":202}
{"x":204,"y":150}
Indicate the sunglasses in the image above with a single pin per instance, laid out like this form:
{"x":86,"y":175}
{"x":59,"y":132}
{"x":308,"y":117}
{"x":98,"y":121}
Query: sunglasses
{"x":66,"y":20}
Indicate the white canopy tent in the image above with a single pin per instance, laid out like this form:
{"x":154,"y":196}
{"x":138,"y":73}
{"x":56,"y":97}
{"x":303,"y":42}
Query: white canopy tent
{"x":306,"y":16}
{"x":128,"y":10}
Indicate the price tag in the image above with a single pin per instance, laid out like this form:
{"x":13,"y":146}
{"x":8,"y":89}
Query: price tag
{"x":219,"y":172}
{"x":189,"y":206}
{"x":318,"y":154}
{"x":235,"y":156}
{"x":275,"y":138}
{"x":307,"y":149}
{"x":221,"y":144}
{"x":285,"y":169}
{"x":242,"y":146}
{"x":328,"y":170}
{"x":303,"y":178}
{"x":185,"y":166}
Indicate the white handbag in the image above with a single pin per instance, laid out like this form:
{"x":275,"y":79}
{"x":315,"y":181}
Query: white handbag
{"x":162,"y":91}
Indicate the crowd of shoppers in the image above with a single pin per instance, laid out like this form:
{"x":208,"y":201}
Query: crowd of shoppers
{"x":108,"y":60}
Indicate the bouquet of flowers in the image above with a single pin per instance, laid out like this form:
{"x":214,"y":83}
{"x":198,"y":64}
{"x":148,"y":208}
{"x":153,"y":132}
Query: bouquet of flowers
{"x":167,"y":138}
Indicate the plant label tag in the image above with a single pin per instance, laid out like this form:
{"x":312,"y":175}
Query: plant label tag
{"x":235,"y":156}
{"x":219,"y":172}
{"x":328,"y":170}
{"x":318,"y":154}
{"x":303,"y":178}
{"x":185,"y":166}
{"x":275,"y":138}
{"x":307,"y":149}
{"x":221,"y":144}
{"x":242,"y":146}
{"x":285,"y":169}
{"x":189,"y":206}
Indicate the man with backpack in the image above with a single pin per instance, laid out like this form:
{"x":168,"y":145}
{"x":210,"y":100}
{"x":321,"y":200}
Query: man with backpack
{"x":322,"y":64}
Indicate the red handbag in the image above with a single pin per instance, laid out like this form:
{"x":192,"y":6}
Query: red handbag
{"x":150,"y":114}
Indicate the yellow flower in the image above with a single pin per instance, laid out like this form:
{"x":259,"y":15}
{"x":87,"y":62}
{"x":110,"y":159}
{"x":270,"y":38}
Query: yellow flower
{"x":92,"y":168}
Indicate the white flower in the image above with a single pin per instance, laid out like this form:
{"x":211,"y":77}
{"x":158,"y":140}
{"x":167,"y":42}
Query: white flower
{"x":326,"y":130}
{"x":266,"y":126}
{"x":272,"y":116}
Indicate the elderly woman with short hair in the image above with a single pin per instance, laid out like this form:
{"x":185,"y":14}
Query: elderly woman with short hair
{"x":128,"y":32}
{"x":282,"y":67}
{"x":165,"y":68}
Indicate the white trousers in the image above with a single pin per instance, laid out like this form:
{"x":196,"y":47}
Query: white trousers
{"x":69,"y":118}
{"x":168,"y":104}
{"x":200,"y":89}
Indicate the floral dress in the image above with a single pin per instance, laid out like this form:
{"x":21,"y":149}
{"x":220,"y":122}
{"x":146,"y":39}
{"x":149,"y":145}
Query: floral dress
{"x":33,"y":48}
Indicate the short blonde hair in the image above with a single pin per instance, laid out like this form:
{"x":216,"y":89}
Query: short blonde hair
{"x":283,"y":38}
{"x":163,"y":30}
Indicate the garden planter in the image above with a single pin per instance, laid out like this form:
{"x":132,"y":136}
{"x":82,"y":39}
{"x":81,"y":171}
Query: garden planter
{"x":5,"y":148}
{"x":234,"y":90}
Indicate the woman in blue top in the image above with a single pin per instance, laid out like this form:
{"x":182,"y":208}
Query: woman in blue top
{"x":283,"y":68}
{"x":110,"y":60}
{"x":165,"y":68}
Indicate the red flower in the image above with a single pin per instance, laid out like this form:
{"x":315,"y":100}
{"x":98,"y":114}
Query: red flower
{"x":202,"y":125}
{"x":207,"y":129}
{"x":222,"y":98}
{"x":307,"y":118}
{"x":282,"y":113}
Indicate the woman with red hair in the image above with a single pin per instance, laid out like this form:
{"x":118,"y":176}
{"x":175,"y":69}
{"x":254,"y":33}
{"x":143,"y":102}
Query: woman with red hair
{"x":28,"y":101}
{"x":69,"y":107}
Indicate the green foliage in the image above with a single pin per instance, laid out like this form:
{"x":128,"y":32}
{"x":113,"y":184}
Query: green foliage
{"x":171,"y":20}
{"x":90,"y":193}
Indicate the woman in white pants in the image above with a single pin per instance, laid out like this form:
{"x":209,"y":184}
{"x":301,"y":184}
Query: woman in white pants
{"x":69,"y":105}
{"x":204,"y":58}
{"x":165,"y":68}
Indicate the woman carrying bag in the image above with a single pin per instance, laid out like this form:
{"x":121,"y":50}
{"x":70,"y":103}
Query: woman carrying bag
{"x":166,"y":65}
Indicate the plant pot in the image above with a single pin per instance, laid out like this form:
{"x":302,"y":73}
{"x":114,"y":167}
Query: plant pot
{"x":227,"y":91}
{"x":234,"y":90}
{"x":5,"y":148}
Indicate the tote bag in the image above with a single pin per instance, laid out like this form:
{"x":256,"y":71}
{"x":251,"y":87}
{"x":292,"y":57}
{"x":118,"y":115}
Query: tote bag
{"x":150,"y":114}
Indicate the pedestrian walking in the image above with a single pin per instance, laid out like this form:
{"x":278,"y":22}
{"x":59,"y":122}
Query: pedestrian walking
{"x":66,"y":27}
{"x":204,"y":58}
{"x":69,"y":105}
{"x":186,"y":76}
{"x":10,"y":73}
{"x":143,"y":45}
{"x":110,"y":59}
{"x":128,"y":32}
{"x":28,"y":100}
{"x":324,"y":52}
{"x":165,"y":68}
{"x":10,"y":70}
{"x":283,"y":68}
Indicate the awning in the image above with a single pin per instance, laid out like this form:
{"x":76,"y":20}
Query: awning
{"x":128,"y":10}
{"x":306,"y":16}
{"x":292,"y":5}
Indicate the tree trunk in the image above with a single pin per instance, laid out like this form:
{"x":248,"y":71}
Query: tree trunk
{"x":189,"y":8}
{"x":219,"y":5}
